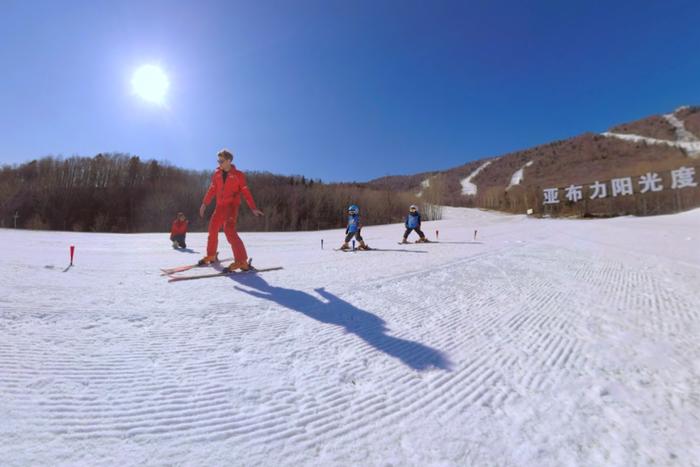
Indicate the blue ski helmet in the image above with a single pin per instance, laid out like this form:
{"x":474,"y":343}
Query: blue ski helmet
{"x":353,"y":209}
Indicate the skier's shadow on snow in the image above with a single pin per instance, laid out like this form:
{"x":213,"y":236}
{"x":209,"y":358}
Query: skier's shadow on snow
{"x":338,"y":312}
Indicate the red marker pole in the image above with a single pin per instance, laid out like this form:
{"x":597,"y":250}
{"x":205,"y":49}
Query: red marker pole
{"x":72,"y":250}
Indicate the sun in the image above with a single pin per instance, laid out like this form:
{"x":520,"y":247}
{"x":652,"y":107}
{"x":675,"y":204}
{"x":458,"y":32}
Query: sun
{"x":150,"y":83}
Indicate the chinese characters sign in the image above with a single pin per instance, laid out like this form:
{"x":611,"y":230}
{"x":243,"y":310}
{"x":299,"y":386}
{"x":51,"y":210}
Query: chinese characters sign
{"x":649,"y":182}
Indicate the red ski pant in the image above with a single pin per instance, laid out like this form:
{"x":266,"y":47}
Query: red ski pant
{"x":226,"y":216}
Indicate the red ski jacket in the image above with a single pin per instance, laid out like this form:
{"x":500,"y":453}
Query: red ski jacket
{"x":229,"y":192}
{"x":179,"y":227}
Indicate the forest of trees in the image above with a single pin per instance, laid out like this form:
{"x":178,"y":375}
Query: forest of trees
{"x":122,"y":193}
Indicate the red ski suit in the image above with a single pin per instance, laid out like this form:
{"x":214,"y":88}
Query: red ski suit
{"x":228,"y":199}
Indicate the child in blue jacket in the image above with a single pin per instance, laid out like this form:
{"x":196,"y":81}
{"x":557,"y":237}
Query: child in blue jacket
{"x":413,"y":223}
{"x":353,"y":229}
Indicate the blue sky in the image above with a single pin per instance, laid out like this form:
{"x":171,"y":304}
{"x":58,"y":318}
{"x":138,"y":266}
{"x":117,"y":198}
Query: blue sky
{"x":336,"y":90}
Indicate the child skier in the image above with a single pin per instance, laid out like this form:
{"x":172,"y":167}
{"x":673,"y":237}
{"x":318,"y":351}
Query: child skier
{"x":178,"y":231}
{"x":413,"y":223}
{"x":353,"y":229}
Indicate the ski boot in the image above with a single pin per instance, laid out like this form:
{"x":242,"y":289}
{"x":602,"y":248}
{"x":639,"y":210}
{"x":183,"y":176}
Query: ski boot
{"x":242,"y":265}
{"x":344,"y":246}
{"x":175,"y":245}
{"x":363,"y":246}
{"x":423,"y":240}
{"x":207,"y":260}
{"x":404,"y":241}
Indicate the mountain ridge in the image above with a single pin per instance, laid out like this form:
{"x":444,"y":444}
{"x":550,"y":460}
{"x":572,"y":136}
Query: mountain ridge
{"x":515,"y":181}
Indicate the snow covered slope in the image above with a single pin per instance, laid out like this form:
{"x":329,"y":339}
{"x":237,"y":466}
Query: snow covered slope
{"x":542,"y":342}
{"x":691,"y":147}
{"x":518,"y":175}
{"x":681,"y":133}
{"x":424,"y":185}
{"x":469,"y":187}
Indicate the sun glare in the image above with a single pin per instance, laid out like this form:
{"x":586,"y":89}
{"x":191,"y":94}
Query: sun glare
{"x":150,"y":83}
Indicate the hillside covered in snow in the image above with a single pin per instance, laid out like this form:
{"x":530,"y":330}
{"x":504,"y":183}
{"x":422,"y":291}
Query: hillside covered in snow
{"x":632,"y":153}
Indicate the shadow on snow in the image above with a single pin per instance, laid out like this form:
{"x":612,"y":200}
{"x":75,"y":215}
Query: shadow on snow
{"x":185,"y":250}
{"x":367,"y":326}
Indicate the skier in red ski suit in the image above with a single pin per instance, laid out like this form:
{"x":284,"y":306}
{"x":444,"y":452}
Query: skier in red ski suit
{"x":227,"y":185}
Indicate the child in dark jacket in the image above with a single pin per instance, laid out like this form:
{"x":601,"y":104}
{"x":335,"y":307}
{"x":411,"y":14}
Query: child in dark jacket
{"x":412,"y":223}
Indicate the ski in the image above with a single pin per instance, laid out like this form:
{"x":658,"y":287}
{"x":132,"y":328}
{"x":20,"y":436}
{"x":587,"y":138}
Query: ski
{"x":413,"y":243}
{"x":168,"y":271}
{"x":221,"y":274}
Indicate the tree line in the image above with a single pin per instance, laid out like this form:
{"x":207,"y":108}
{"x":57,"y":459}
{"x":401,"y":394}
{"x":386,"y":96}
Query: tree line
{"x":122,"y":193}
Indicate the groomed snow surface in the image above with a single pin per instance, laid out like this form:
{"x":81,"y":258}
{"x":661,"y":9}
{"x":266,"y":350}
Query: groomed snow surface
{"x":542,"y":343}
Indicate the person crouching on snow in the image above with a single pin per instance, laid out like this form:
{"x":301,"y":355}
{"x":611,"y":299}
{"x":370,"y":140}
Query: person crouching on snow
{"x":413,"y":223}
{"x":178,"y":231}
{"x":353,"y":229}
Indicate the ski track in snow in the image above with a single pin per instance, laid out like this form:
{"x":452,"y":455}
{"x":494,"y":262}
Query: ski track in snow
{"x":540,"y":345}
{"x":691,"y":147}
{"x":681,"y":133}
{"x":425,"y":184}
{"x":518,"y":175}
{"x":469,"y":187}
